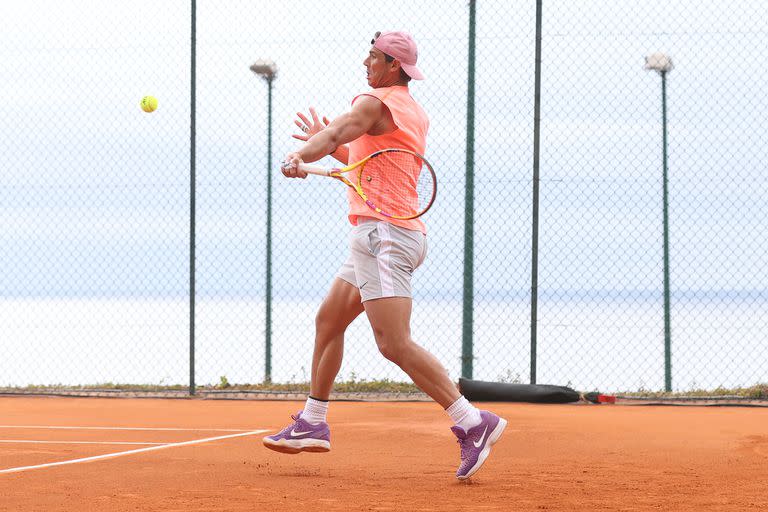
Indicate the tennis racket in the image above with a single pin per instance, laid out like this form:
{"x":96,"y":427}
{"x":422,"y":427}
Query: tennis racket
{"x":396,"y":183}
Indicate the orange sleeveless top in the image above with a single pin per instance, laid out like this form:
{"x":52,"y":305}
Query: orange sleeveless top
{"x":410,"y":133}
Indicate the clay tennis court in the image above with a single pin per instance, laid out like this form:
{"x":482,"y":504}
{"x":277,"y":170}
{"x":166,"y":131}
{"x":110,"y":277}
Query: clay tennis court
{"x":201,"y":455}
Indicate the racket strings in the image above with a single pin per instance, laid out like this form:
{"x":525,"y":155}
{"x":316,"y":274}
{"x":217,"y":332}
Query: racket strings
{"x":398,"y":183}
{"x":425,"y":188}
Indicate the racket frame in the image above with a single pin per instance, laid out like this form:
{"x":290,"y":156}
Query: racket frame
{"x":339,"y":174}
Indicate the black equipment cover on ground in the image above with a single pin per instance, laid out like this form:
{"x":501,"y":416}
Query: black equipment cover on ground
{"x":480,"y":391}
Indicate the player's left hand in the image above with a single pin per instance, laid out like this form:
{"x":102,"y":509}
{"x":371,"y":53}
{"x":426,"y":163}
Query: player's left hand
{"x":309,"y":128}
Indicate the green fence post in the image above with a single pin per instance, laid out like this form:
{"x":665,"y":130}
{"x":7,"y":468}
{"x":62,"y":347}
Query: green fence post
{"x":192,"y":195}
{"x":469,"y":209}
{"x":535,"y":212}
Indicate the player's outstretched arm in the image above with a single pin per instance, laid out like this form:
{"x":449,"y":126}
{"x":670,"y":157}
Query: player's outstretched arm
{"x":311,"y":126}
{"x":366,"y":112}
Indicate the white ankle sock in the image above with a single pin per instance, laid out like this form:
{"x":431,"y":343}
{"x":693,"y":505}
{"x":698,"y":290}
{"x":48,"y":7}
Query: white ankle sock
{"x":315,"y":410}
{"x":464,"y":414}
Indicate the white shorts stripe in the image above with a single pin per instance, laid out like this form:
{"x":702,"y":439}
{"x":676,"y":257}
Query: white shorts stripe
{"x":384,"y":260}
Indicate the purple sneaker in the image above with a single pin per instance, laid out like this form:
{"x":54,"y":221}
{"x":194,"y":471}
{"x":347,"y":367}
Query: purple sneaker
{"x":300,"y":436}
{"x":476,"y":444}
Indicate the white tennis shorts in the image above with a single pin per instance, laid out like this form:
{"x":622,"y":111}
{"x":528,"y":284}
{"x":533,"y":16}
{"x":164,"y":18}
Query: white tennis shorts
{"x":382,"y":258}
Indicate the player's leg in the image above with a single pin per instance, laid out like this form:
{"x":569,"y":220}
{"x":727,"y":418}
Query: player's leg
{"x":338,"y":310}
{"x":390,"y":319}
{"x":385,"y":257}
{"x":310,"y":432}
{"x":385,"y":260}
{"x":476,"y":430}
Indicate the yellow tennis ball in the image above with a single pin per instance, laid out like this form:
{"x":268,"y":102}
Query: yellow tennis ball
{"x":148,"y":103}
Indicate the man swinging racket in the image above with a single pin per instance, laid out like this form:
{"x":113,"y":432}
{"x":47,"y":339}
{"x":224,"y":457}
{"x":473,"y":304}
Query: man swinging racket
{"x":384,"y":252}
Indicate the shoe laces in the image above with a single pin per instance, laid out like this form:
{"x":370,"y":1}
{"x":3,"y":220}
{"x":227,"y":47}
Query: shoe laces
{"x":464,"y":445}
{"x":293,"y":425}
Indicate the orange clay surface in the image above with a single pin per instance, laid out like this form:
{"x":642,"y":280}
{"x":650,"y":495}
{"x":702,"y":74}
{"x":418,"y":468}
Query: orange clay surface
{"x":384,"y":456}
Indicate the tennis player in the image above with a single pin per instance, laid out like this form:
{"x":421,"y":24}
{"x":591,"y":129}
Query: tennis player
{"x":384,"y":252}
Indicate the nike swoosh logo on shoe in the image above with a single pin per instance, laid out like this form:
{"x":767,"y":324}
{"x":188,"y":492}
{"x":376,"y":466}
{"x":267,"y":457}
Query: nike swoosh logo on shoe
{"x":294,"y":433}
{"x":480,"y":441}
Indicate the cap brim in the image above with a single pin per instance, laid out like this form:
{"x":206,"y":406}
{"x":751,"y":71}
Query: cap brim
{"x":412,"y":71}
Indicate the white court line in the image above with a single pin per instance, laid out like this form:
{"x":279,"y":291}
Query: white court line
{"x":11,"y":441}
{"x":129,"y":452}
{"x":126,"y":428}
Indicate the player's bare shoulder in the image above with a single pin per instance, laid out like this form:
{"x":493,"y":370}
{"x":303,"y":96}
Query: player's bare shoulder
{"x":376,"y":111}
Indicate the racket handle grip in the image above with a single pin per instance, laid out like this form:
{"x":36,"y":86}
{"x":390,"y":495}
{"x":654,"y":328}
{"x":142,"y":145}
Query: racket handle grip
{"x":315,"y":169}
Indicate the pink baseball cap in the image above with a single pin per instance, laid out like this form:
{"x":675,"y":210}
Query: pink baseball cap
{"x":401,"y":46}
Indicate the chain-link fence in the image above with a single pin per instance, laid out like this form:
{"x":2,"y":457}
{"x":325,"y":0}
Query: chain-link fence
{"x":134,"y":249}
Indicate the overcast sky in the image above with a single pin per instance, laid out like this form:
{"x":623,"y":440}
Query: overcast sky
{"x":83,"y":164}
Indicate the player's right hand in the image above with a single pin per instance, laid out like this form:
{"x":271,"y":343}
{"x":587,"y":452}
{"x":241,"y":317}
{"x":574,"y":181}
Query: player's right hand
{"x":290,"y":167}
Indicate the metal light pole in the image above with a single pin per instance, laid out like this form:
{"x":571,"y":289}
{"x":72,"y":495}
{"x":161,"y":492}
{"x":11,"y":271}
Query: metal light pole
{"x":267,"y":69}
{"x":663,"y":64}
